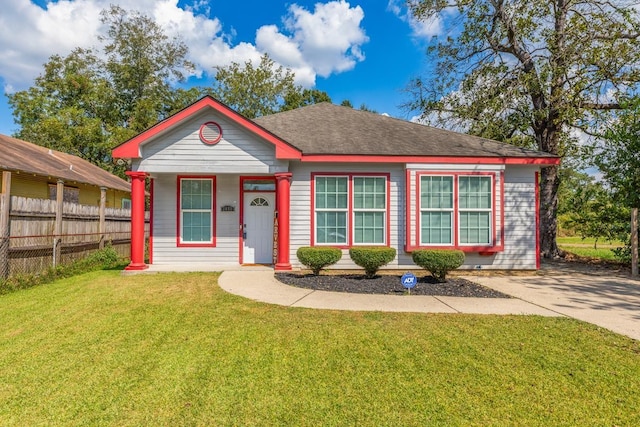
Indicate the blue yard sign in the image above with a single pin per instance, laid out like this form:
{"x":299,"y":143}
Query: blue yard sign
{"x":409,"y":280}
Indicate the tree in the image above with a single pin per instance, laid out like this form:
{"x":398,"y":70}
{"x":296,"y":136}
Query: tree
{"x":300,"y":98}
{"x":619,"y":161}
{"x":254,"y":91}
{"x":527,"y":72}
{"x":589,"y":209}
{"x":85,"y":105}
{"x":618,"y":158}
{"x":142,"y":63}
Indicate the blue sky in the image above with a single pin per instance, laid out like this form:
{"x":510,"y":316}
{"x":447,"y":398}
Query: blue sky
{"x":365,"y":51}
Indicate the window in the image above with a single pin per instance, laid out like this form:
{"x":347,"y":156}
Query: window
{"x":456,"y":210}
{"x":126,"y":204}
{"x":369,"y":207}
{"x":331,"y":202}
{"x":475,"y":209}
{"x":196,"y":210}
{"x":436,"y":210}
{"x":350,"y":210}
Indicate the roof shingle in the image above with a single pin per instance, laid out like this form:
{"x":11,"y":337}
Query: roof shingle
{"x":328,"y":129}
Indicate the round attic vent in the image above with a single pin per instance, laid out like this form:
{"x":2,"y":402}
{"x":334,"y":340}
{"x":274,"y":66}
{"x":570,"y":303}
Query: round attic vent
{"x":210,"y":133}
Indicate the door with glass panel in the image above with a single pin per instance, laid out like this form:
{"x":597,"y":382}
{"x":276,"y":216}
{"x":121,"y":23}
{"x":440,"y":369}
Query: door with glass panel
{"x":258,"y":228}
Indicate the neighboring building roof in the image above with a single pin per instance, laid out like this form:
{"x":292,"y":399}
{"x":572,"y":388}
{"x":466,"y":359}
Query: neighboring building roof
{"x":328,"y":129}
{"x":19,"y":155}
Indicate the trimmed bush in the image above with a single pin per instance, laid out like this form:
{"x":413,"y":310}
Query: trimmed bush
{"x":317,"y":258}
{"x":438,"y":262}
{"x":372,"y":258}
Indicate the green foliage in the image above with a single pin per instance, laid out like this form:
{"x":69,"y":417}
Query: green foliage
{"x":97,"y":260}
{"x":84,"y":104}
{"x":439,"y":262}
{"x":619,"y":162}
{"x":316,"y":258}
{"x":618,"y":158}
{"x":254,"y":91}
{"x":589,"y":209}
{"x":300,"y":98}
{"x":372,"y":258}
{"x":527,"y":72}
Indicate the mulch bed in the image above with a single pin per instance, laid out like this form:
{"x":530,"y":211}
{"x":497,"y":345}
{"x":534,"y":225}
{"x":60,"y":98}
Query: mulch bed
{"x":388,"y":284}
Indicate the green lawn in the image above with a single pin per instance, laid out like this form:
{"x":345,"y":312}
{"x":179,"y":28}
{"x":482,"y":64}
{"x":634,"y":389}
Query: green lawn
{"x":174,"y":349}
{"x":585,"y":247}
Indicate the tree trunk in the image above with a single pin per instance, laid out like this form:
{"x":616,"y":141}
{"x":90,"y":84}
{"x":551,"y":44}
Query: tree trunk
{"x":549,"y":182}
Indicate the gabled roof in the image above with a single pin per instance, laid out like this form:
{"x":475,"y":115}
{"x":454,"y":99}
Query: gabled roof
{"x":23,"y":156}
{"x":131,"y":149}
{"x":325,"y":129}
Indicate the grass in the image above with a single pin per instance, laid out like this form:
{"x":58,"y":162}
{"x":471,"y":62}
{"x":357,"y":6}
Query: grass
{"x":174,"y":349}
{"x":589,"y":247}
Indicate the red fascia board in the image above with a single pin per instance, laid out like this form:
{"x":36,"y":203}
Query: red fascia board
{"x":354,"y":158}
{"x":131,"y":149}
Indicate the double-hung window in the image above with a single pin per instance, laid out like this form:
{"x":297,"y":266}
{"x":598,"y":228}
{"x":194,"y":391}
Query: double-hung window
{"x":456,"y":210}
{"x":436,"y":210}
{"x":332,"y":209}
{"x":196,"y":210}
{"x":474,"y":195}
{"x":369,"y":210}
{"x":350,"y":210}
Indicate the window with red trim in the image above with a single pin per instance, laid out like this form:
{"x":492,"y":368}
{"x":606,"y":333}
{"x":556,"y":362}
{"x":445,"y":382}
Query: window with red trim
{"x":350,"y":210}
{"x":196,"y":210}
{"x":456,"y":210}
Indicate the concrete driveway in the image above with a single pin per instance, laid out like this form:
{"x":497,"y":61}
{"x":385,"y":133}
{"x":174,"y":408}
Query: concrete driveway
{"x":610,"y":301}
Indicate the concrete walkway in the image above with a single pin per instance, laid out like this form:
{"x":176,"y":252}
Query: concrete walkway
{"x":610,"y":302}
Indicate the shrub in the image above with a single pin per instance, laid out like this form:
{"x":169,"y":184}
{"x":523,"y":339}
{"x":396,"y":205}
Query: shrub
{"x":438,"y":262}
{"x":100,"y":259}
{"x":372,"y":258}
{"x":317,"y":258}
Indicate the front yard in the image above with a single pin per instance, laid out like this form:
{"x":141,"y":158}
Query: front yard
{"x":174,"y":349}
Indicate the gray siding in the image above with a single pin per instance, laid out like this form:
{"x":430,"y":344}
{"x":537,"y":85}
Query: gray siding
{"x":519,"y":212}
{"x":181,"y":150}
{"x":165,"y":248}
{"x":520,"y":219}
{"x":301,"y":206}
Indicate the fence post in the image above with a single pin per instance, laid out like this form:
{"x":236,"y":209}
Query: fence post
{"x":57,"y":232}
{"x":5,"y":224}
{"x":101,"y":225}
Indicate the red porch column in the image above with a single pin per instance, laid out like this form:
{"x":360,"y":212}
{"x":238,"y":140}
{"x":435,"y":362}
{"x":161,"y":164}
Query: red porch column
{"x":283,"y":205}
{"x":137,"y":221}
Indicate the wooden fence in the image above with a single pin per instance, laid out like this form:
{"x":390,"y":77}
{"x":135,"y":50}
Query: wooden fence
{"x":37,"y":237}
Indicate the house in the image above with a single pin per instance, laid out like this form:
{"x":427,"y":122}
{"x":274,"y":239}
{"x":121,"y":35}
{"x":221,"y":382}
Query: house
{"x":226,"y":190}
{"x":36,"y":172}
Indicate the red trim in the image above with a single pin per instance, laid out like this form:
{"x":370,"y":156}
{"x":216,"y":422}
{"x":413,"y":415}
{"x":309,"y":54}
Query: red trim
{"x":180,"y":244}
{"x":283,"y":197}
{"x":350,"y":209}
{"x":208,"y":141}
{"x":502,"y":204}
{"x":241,"y":209}
{"x":131,"y":149}
{"x":407,"y":211}
{"x":497,"y":244}
{"x":537,"y":191}
{"x":355,"y":158}
{"x":137,"y":221}
{"x":151,"y":186}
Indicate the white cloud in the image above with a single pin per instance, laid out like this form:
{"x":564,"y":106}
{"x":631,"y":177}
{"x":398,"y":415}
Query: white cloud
{"x":330,"y":38}
{"x":421,"y":29}
{"x":327,"y":40}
